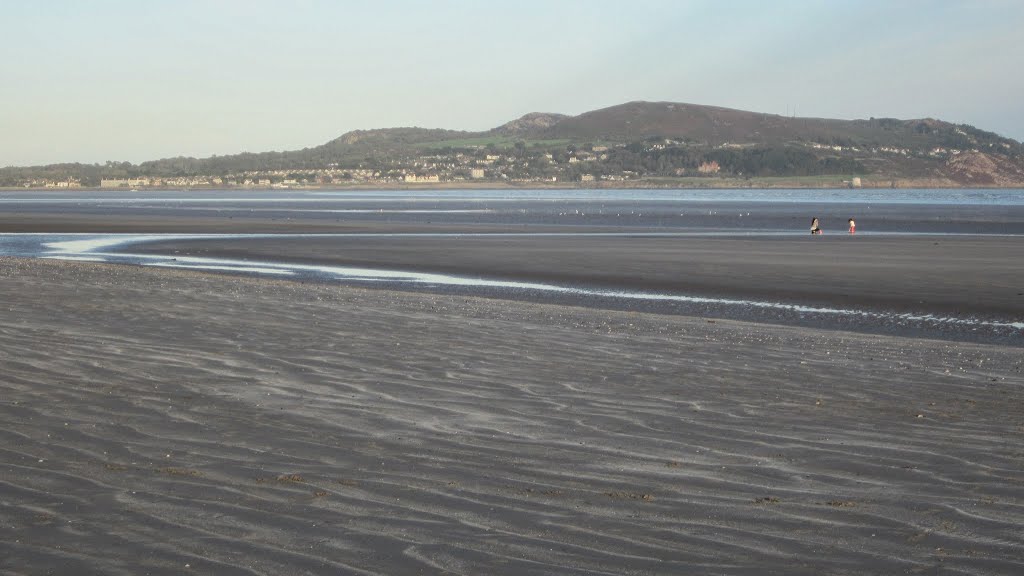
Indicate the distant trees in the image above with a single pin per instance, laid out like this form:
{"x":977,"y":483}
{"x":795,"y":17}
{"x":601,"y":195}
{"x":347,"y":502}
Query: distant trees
{"x":760,"y":161}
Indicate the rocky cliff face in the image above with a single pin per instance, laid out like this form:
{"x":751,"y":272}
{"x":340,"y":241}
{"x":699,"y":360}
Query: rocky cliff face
{"x":532,"y":123}
{"x":981,"y":169}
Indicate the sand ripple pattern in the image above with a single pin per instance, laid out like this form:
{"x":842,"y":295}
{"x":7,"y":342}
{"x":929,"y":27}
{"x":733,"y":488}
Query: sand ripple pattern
{"x":165,"y":422}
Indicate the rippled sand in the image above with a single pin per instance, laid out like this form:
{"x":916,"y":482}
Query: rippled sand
{"x":159,"y":422}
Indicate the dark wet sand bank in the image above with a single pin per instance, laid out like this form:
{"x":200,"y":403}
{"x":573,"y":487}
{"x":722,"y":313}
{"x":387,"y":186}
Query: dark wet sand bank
{"x":166,"y":422}
{"x":946,"y":275}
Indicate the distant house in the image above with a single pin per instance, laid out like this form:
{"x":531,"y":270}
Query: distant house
{"x":123,"y":182}
{"x":709,"y":167}
{"x":427,"y":178}
{"x":69,"y":183}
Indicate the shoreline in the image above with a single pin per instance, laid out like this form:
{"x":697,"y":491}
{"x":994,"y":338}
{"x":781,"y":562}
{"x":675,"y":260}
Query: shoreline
{"x":951,"y":287}
{"x":749,"y":261}
{"x":797,"y":183}
{"x":940,"y":275}
{"x":265,"y":426}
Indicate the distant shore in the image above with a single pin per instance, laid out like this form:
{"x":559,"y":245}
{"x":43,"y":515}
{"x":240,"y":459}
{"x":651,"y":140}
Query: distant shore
{"x":810,"y":182}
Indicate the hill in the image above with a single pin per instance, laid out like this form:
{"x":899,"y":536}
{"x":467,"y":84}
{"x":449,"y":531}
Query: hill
{"x":641,"y":143}
{"x":712,"y":125}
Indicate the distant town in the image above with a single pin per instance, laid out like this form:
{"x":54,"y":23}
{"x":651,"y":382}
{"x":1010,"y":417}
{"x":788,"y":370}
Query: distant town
{"x":584,"y":165}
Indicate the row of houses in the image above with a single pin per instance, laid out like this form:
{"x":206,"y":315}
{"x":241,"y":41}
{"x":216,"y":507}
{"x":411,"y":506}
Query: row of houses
{"x":936,"y":152}
{"x":68,"y":183}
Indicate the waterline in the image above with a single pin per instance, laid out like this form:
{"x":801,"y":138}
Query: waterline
{"x":101,"y":248}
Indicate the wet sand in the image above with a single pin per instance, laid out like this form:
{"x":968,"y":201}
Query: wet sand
{"x":945,"y":275}
{"x":168,"y":422}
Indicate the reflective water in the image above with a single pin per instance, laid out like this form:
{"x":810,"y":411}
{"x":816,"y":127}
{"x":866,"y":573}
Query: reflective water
{"x":967,"y":196}
{"x":932,"y":211}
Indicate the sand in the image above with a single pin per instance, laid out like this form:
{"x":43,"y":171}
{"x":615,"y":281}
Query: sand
{"x":944,"y":275}
{"x":168,"y":422}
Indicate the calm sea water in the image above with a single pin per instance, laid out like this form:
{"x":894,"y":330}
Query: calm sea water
{"x":741,"y":211}
{"x":1004,"y":197}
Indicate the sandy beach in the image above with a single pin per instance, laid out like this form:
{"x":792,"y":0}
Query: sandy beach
{"x":169,"y":422}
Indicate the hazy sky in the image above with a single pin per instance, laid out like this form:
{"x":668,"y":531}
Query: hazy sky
{"x":97,"y":80}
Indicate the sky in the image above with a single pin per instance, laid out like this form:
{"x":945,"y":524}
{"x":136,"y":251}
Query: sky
{"x":130,"y":80}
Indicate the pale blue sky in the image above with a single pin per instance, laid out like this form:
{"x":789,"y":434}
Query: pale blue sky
{"x":97,"y":80}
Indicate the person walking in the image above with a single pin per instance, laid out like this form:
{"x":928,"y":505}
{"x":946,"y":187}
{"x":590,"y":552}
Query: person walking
{"x":815,"y":229}
{"x":853,"y":226}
